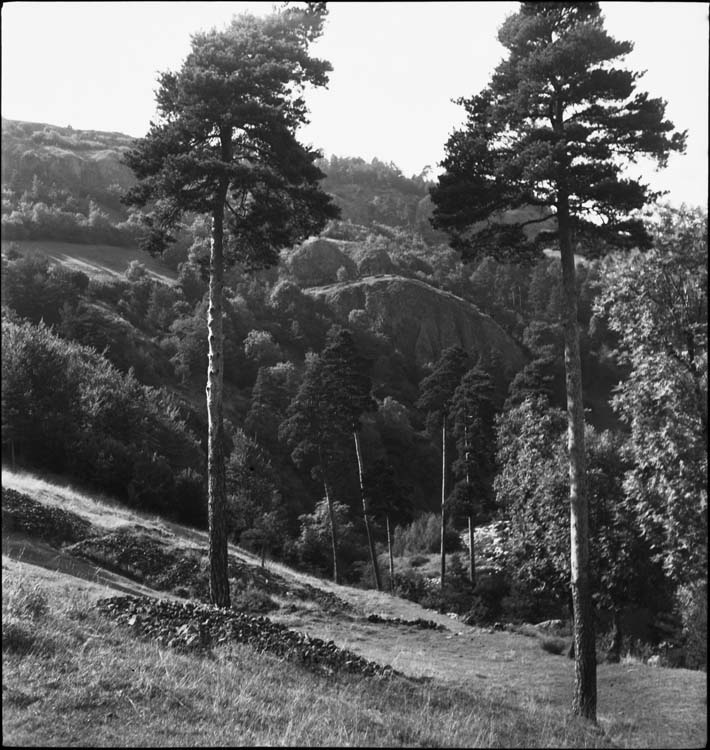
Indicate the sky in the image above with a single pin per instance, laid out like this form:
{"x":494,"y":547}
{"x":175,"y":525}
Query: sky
{"x":397,"y":66}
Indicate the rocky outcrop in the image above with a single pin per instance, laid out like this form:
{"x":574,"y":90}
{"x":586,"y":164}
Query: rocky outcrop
{"x":419,"y":319}
{"x":75,"y":160}
{"x":317,"y":261}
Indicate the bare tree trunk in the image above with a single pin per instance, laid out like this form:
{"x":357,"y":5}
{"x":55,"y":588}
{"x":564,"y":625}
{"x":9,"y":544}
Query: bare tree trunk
{"x":216,"y":487}
{"x":333,"y":531}
{"x":471,"y":527}
{"x":585,"y":693}
{"x":613,"y":654}
{"x":12,"y":453}
{"x":443,"y":498}
{"x":370,"y":541}
{"x":471,"y":553}
{"x":389,"y":549}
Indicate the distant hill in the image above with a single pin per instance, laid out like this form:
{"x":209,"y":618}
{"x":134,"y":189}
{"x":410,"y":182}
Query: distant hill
{"x":69,"y":163}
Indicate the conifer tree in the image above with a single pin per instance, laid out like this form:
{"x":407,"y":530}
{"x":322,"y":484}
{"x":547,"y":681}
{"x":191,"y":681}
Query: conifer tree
{"x":324,"y":415}
{"x":553,"y":130}
{"x":225,"y":146}
{"x":435,"y":393}
{"x":472,"y":419}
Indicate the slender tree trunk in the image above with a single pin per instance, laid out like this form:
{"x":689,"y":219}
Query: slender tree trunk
{"x":370,"y":541}
{"x":614,"y":652}
{"x":471,"y":526}
{"x":216,"y":487}
{"x":471,"y":554}
{"x":389,"y":549}
{"x":585,"y":692}
{"x":333,"y":531}
{"x":12,"y":453}
{"x":443,"y":498}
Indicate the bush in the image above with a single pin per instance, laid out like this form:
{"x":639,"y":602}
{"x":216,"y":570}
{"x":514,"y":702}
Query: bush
{"x":253,"y":599}
{"x":554,"y":645}
{"x":27,"y":601}
{"x":410,"y":585}
{"x":423,"y":535}
{"x":693,"y":608}
{"x":418,"y":560}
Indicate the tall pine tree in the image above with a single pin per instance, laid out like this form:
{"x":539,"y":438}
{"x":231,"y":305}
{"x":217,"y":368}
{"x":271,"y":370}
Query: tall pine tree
{"x":225,"y":146}
{"x":553,"y":130}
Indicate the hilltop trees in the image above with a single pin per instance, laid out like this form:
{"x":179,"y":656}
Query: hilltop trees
{"x":225,"y":146}
{"x":552,"y":131}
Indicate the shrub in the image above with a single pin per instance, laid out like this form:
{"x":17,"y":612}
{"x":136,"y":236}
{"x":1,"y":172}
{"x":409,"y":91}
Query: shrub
{"x":410,"y":585}
{"x":418,"y":560}
{"x":18,"y":637}
{"x":693,"y":608}
{"x":253,"y":599}
{"x":423,"y":535}
{"x":27,"y":601}
{"x":554,"y":645}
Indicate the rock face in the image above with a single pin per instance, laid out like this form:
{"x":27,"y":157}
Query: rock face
{"x":419,"y":319}
{"x":78,"y":160}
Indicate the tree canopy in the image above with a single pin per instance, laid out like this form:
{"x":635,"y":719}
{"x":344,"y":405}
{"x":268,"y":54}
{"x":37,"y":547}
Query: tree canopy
{"x":557,"y":118}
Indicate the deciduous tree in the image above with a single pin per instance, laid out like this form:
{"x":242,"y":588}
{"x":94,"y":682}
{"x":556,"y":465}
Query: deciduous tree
{"x":657,"y":305}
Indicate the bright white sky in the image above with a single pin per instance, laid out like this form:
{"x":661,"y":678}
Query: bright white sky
{"x":397,"y":66}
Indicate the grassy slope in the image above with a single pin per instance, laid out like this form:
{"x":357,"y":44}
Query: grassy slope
{"x":83,"y":681}
{"x":97,"y":261}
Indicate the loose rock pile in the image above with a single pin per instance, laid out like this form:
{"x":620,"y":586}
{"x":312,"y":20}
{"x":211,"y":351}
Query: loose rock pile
{"x":419,"y":623}
{"x":47,"y":522}
{"x":189,"y":626}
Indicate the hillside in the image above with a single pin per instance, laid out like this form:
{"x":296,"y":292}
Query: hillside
{"x":455,"y":685}
{"x":87,"y":161}
{"x":420,"y":320}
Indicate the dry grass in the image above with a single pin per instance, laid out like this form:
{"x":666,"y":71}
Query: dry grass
{"x":80,"y":681}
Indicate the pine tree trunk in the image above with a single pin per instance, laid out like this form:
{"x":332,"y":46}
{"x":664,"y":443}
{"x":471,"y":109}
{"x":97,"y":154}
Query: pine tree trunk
{"x":333,"y":532}
{"x":471,"y":528}
{"x":471,"y":553}
{"x":370,"y":541}
{"x":389,"y":549}
{"x":585,"y":693}
{"x":443,"y":499}
{"x":216,"y":486}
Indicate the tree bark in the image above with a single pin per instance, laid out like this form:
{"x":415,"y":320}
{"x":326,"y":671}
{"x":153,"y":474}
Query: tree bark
{"x":443,"y":498}
{"x":370,"y":541}
{"x":389,"y":549}
{"x":216,"y":486}
{"x":584,"y":702}
{"x":471,"y":554}
{"x":471,"y":525}
{"x":333,"y":532}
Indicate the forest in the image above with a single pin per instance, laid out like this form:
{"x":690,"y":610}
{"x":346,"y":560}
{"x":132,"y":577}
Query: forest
{"x":388,"y":394}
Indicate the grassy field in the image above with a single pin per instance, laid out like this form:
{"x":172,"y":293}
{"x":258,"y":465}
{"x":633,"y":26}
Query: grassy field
{"x":71,"y":677}
{"x":96,"y":261}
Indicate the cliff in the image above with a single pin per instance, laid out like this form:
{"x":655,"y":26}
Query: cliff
{"x":419,"y":320}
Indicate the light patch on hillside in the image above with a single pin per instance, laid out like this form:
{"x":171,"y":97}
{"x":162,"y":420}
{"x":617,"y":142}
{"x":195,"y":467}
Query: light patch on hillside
{"x":105,"y":262}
